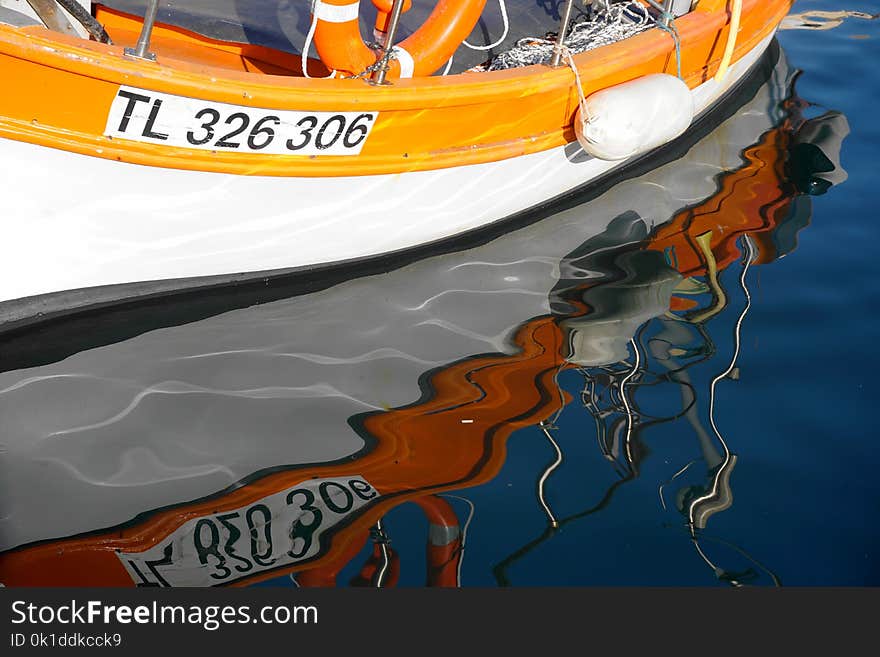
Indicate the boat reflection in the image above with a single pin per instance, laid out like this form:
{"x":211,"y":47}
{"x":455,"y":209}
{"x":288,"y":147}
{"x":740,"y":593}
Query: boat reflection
{"x":254,"y":447}
{"x":642,"y":320}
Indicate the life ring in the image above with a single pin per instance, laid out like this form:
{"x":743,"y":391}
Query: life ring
{"x":383,"y":13}
{"x":382,"y":568}
{"x":444,"y":549}
{"x":341,"y":48}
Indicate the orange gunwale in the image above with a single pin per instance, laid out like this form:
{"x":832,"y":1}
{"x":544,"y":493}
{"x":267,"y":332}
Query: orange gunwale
{"x":63,"y":89}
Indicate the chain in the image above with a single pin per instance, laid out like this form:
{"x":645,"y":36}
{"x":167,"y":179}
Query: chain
{"x":379,"y":64}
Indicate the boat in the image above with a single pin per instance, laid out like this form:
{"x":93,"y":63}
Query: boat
{"x":414,"y":419}
{"x":138,"y":158}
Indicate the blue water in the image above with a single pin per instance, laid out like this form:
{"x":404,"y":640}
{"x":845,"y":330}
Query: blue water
{"x":144,"y":416}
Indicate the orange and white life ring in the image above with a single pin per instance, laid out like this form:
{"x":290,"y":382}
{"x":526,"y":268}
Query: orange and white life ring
{"x":341,"y":48}
{"x":382,"y":568}
{"x":444,"y":549}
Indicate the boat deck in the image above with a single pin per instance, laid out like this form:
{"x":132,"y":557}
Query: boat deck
{"x":246,"y":21}
{"x":193,"y":47}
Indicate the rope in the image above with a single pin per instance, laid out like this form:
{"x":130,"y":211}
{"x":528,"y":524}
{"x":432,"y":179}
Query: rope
{"x":448,"y":65}
{"x":735,"y":13}
{"x":501,"y":38}
{"x":308,"y":46}
{"x":666,"y":22}
{"x":92,"y":26}
{"x":582,"y":100}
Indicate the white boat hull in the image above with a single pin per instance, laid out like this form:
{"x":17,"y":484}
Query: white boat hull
{"x":75,"y":222}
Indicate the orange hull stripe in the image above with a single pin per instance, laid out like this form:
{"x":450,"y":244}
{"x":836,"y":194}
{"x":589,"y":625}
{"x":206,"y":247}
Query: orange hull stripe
{"x":64,"y":88}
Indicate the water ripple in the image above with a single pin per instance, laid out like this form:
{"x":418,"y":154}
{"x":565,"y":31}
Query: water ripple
{"x":427,"y":302}
{"x":318,"y":390}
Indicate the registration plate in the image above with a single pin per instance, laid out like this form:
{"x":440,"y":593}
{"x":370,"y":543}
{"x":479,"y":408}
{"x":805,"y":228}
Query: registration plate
{"x":157,"y":118}
{"x":279,"y":530}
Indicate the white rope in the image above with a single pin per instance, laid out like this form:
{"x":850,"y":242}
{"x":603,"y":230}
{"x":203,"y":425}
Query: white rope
{"x":308,"y":46}
{"x":386,"y":559}
{"x":586,"y":117}
{"x":464,"y":531}
{"x":503,"y":36}
{"x":629,"y":413}
{"x":448,"y":65}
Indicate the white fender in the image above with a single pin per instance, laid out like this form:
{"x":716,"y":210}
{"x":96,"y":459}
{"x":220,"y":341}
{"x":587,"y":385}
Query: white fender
{"x":634,"y":117}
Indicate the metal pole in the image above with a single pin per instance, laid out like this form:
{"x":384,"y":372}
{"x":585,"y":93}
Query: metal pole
{"x":142,"y":50}
{"x":382,"y":71}
{"x":563,"y":32}
{"x":665,"y":9}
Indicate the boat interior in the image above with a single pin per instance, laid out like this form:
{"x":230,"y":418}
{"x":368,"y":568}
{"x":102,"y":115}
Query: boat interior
{"x":176,"y":43}
{"x":171,"y":42}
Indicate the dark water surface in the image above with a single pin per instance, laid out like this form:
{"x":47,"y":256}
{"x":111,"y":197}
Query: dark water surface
{"x":668,"y":383}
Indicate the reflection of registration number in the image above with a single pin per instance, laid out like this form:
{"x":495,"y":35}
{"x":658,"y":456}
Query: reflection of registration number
{"x":158,"y":118}
{"x":279,"y":530}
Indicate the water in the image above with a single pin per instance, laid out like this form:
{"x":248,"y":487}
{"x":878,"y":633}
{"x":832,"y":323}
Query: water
{"x":586,"y":370}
